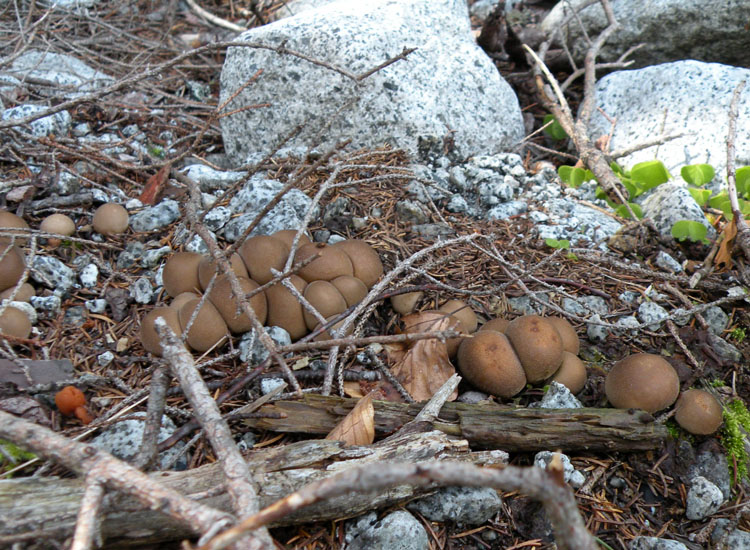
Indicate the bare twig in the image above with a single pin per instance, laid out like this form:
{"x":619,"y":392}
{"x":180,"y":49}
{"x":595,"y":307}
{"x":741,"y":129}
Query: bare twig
{"x":156,"y":401}
{"x":87,"y":535}
{"x":743,"y":231}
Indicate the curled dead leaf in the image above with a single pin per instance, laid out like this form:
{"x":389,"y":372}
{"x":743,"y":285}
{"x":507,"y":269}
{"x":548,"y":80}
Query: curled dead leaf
{"x":357,"y":427}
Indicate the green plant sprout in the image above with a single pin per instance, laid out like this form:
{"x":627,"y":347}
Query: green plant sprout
{"x":690,"y":229}
{"x":738,"y":334}
{"x":734,"y":437}
{"x":14,"y":454}
{"x":554,"y":130}
{"x":563,"y":244}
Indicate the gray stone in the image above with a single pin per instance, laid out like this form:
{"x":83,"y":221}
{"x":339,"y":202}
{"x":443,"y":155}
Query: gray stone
{"x":69,"y":76}
{"x":57,"y":123}
{"x":703,"y":499}
{"x":447,"y":84}
{"x":629,"y":296}
{"x":133,"y":253}
{"x":155,"y":217}
{"x":734,"y":540}
{"x":685,"y":97}
{"x":507,"y":210}
{"x":412,"y":212}
{"x":99,"y":305}
{"x":711,"y":464}
{"x":717,"y":320}
{"x":216,"y":218}
{"x":48,"y":307}
{"x":151,"y":258}
{"x":123,"y":440}
{"x":584,"y":306}
{"x":494,"y":191}
{"x":558,"y":396}
{"x":66,"y":184}
{"x":210,"y":179}
{"x":50,"y":271}
{"x":88,"y":275}
{"x":106,"y":358}
{"x":668,"y":263}
{"x":457,"y":204}
{"x":574,"y":221}
{"x":197,"y":244}
{"x":141,"y":291}
{"x":653,"y":543}
{"x":652,"y":314}
{"x":268,"y":385}
{"x":290,"y":8}
{"x":433,"y":230}
{"x":680,"y":316}
{"x":626,"y":325}
{"x":575,"y":478}
{"x":252,"y":350}
{"x":398,"y":530}
{"x":595,"y":331}
{"x":724,"y":349}
{"x":670,"y":203}
{"x":459,"y":505}
{"x":668,"y":29}
{"x":75,"y":316}
{"x":527,"y":306}
{"x":472,"y":397}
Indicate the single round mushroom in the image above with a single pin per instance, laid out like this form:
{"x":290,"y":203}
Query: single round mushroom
{"x":12,"y":265}
{"x":228,"y":305}
{"x":331,"y":262}
{"x":572,"y":373}
{"x":324,"y":297}
{"x":207,"y":330}
{"x":407,"y":302}
{"x":365,"y":260}
{"x":326,"y":335}
{"x":537,"y":344}
{"x":181,"y":273}
{"x":498,"y":324}
{"x":70,"y":401}
{"x":149,"y":337}
{"x":261,"y":254}
{"x":207,"y":268}
{"x":15,"y":322}
{"x":467,"y":322}
{"x":110,"y":219}
{"x":10,"y":221}
{"x":698,"y":412}
{"x":568,"y":334}
{"x":351,"y":288}
{"x":284,"y":310}
{"x":287,"y":237}
{"x":182,"y":298}
{"x":642,"y":381}
{"x":24,"y":294}
{"x":488,"y":362}
{"x":60,"y":224}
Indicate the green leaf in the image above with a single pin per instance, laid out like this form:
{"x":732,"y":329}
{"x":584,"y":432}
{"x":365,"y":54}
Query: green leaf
{"x":622,"y":211}
{"x":688,"y":229}
{"x":616,"y":168}
{"x":700,"y":195}
{"x":572,"y":175}
{"x":650,"y":173}
{"x":554,"y":130}
{"x":554,"y":243}
{"x":742,"y":180}
{"x":600,"y":194}
{"x":722,"y":202}
{"x":697,"y":174}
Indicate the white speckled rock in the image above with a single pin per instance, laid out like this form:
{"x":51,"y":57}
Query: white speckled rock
{"x":669,"y":30}
{"x":68,"y":75}
{"x":670,"y":203}
{"x":654,"y":543}
{"x":447,"y":85}
{"x":58,"y":123}
{"x":703,"y":498}
{"x":685,"y":96}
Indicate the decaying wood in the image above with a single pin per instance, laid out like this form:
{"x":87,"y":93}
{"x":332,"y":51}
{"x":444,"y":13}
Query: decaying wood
{"x":44,"y":507}
{"x":484,"y":425}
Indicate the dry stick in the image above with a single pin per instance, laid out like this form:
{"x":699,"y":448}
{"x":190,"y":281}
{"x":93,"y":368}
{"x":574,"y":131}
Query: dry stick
{"x":156,"y":401}
{"x":241,"y":489}
{"x":115,"y":474}
{"x":542,"y":485}
{"x":743,"y":231}
{"x":87,"y":532}
{"x":218,"y":21}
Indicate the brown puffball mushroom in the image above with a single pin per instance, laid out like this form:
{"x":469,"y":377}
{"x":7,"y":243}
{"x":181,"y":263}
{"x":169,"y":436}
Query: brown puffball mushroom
{"x":365,"y":260}
{"x":207,"y":330}
{"x":149,"y":337}
{"x":698,"y":412}
{"x":207,"y":268}
{"x":14,"y":322}
{"x":324,"y":297}
{"x":537,"y":344}
{"x":182,"y":298}
{"x":260,"y":254}
{"x":642,"y":381}
{"x":24,"y":293}
{"x":287,"y":237}
{"x":227,"y":303}
{"x":11,"y":265}
{"x":110,"y":219}
{"x":467,"y":322}
{"x":326,"y":335}
{"x":406,"y":303}
{"x":351,"y":288}
{"x":181,"y":273}
{"x":59,"y":224}
{"x":332,"y":262}
{"x":284,"y":310}
{"x":488,"y":362}
{"x":572,"y":373}
{"x":499,"y":324}
{"x":9,"y":219}
{"x":567,"y":333}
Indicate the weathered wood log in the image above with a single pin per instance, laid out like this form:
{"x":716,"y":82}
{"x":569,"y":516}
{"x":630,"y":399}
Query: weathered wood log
{"x":484,"y":425}
{"x":35,"y":509}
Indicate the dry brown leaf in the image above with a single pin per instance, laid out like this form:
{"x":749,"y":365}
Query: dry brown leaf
{"x":352,"y":388}
{"x":426,"y":366}
{"x":154,"y":185}
{"x":723,"y":258}
{"x":357,"y":427}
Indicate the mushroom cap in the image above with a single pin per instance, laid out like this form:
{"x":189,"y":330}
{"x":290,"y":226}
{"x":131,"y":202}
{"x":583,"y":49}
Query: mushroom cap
{"x":260,"y":254}
{"x":69,"y":399}
{"x":488,"y":361}
{"x":331,"y":263}
{"x":463,"y":312}
{"x":207,"y":330}
{"x":642,"y":381}
{"x":351,"y":288}
{"x":284,"y":310}
{"x":110,"y":219}
{"x":405,"y":303}
{"x":59,"y":224}
{"x":12,"y":265}
{"x":9,"y":219}
{"x":149,"y":337}
{"x":15,"y":322}
{"x":537,"y":344}
{"x":567,"y":333}
{"x":326,"y":335}
{"x":207,"y":268}
{"x":572,"y":373}
{"x":365,"y":260}
{"x":499,"y":324}
{"x":24,"y":293}
{"x":227,"y":303}
{"x":182,"y":298}
{"x":324,"y":297}
{"x":181,"y":273}
{"x":698,"y":412}
{"x":287,"y":237}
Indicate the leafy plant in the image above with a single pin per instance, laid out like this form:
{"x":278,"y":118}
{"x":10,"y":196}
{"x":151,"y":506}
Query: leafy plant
{"x":690,"y":230}
{"x":554,"y":130}
{"x":734,"y":437}
{"x":738,"y":334}
{"x":573,"y":175}
{"x":698,"y":174}
{"x":555,"y":243}
{"x":15,"y":454}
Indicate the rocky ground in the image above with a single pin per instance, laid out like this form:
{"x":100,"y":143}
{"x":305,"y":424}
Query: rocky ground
{"x":623,"y":288}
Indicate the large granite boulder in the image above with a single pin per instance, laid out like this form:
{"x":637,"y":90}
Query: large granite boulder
{"x":446,"y":88}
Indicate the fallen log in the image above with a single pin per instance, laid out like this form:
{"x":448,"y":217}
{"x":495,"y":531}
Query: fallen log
{"x":488,"y":425}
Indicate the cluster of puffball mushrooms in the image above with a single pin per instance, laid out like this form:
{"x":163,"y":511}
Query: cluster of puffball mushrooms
{"x":339,"y":277}
{"x":109,"y":219}
{"x":503,"y":356}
